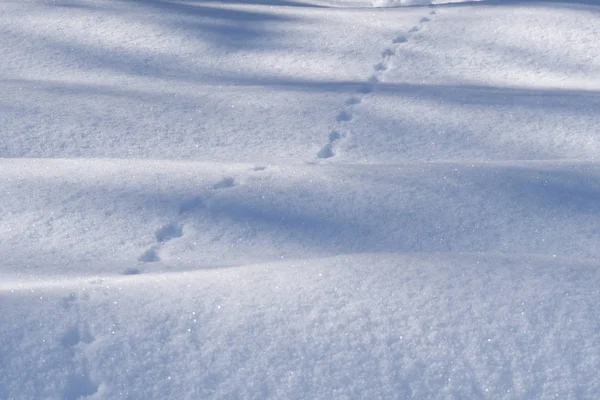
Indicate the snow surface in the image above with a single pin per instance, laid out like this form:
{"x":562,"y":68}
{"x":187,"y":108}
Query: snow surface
{"x":279,"y":199}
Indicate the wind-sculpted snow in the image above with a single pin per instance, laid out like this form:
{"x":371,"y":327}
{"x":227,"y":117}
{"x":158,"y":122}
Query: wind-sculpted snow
{"x":89,"y":216}
{"x":299,"y":199}
{"x":355,"y":326}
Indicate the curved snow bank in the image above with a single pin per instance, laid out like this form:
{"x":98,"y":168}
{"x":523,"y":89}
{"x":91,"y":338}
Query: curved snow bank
{"x":353,"y":326}
{"x":86,"y":216}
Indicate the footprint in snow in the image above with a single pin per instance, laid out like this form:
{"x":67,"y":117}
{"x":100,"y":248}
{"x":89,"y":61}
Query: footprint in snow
{"x":68,"y":301}
{"x":343,"y":116}
{"x":380,"y":67}
{"x":334,"y":135}
{"x":225,"y":183}
{"x":414,"y":29}
{"x":149,"y":256}
{"x":132,"y":271}
{"x":79,"y":384}
{"x":73,"y":336}
{"x":425,"y":19}
{"x":168,"y":232}
{"x":192,"y":204}
{"x":326,"y":151}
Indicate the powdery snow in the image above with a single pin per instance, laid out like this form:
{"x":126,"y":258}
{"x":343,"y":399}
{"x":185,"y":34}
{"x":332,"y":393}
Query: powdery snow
{"x":355,"y":326}
{"x":272,"y":199}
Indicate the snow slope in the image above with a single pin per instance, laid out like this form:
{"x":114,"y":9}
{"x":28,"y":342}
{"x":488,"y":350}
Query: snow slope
{"x":273,"y":199}
{"x":370,"y":325}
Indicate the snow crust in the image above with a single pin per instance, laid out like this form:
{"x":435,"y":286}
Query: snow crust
{"x":277,"y":199}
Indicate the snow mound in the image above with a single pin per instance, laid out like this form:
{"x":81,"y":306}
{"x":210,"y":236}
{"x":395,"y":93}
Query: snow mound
{"x":299,"y":199}
{"x":89,"y":216}
{"x":352,"y":326}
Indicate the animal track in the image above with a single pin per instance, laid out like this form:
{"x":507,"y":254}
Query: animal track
{"x":192,"y":204}
{"x":225,"y":183}
{"x":162,"y":235}
{"x":74,"y":336}
{"x":68,"y":301}
{"x":326,"y":151}
{"x":70,"y":338}
{"x":346,"y":115}
{"x":168,"y":232}
{"x":334,"y":135}
{"x":131,"y":271}
{"x":174,"y":230}
{"x":79,"y":384}
{"x":380,"y":67}
{"x":149,"y":255}
{"x":343,"y":116}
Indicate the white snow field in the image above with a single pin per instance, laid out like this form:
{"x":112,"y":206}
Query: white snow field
{"x":311,"y":199}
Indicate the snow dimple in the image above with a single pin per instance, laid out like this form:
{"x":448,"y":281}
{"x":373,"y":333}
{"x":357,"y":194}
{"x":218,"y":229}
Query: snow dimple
{"x":192,"y":205}
{"x":70,"y":338}
{"x":380,"y":67}
{"x":334,"y":135}
{"x":149,"y":256}
{"x":225,"y":183}
{"x":75,"y":335}
{"x":69,"y":301}
{"x":344,"y":116}
{"x":388,"y":53}
{"x":162,"y":235}
{"x":168,"y":232}
{"x":400,"y":39}
{"x":326,"y":151}
{"x":75,"y":341}
{"x":132,"y":271}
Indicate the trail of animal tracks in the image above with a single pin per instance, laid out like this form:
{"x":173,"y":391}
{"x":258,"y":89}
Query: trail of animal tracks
{"x":291,"y":200}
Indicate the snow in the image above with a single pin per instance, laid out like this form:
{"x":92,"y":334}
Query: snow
{"x":273,"y":199}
